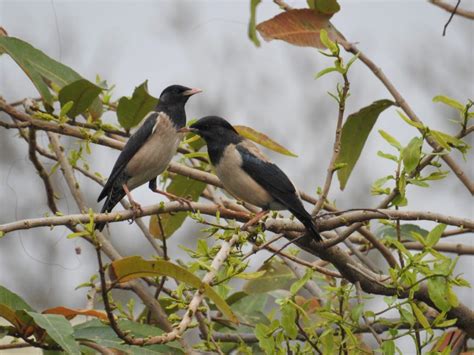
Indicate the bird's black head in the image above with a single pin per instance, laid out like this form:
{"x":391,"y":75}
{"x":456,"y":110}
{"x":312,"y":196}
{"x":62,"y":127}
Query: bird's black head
{"x":218,"y":134}
{"x":177,"y":94}
{"x":172,"y":101}
{"x":214,"y":128}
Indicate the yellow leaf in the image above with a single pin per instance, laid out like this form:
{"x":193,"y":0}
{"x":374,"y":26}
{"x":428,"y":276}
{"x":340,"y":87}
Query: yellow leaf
{"x":263,"y":140}
{"x":133,"y":267}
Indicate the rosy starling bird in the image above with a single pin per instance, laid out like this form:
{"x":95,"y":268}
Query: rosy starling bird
{"x":149,"y":150}
{"x":247,"y":173}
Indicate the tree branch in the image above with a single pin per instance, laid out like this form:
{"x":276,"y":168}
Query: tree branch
{"x":452,"y":9}
{"x":274,"y":225}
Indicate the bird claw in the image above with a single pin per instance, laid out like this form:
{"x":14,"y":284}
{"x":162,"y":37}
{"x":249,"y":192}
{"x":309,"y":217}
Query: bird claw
{"x":179,"y":199}
{"x":185,"y":201}
{"x":254,"y":220}
{"x":136,"y":208}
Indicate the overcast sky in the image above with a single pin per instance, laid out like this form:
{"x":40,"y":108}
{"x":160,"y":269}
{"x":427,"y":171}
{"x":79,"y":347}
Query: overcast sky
{"x":272,"y":88}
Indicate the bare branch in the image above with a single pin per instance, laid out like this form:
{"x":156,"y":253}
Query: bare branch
{"x":275,"y":225}
{"x":453,"y":9}
{"x":67,"y":171}
{"x":41,"y":171}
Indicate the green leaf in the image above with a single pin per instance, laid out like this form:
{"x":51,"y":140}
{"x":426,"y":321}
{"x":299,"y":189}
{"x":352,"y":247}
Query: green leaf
{"x":252,"y":32}
{"x":277,"y":277}
{"x":328,"y":7}
{"x":433,"y":236}
{"x":288,"y":318}
{"x":59,"y":329}
{"x":377,"y":186}
{"x":133,"y":267}
{"x":301,"y":282}
{"x":411,"y":154}
{"x":449,"y":101}
{"x":387,"y":156}
{"x":325,"y":71}
{"x":104,"y":335}
{"x":10,"y":302}
{"x":327,"y":339}
{"x":181,"y":186}
{"x":391,"y":140}
{"x":447,"y":141}
{"x":130,"y":111}
{"x":421,"y":318}
{"x":438,"y":290}
{"x":418,"y":125}
{"x":446,"y":323}
{"x":265,"y":339}
{"x":356,"y":312}
{"x":388,"y":347}
{"x":82,"y":92}
{"x":452,"y":297}
{"x":326,"y":41}
{"x":41,"y":69}
{"x":355,"y":131}
{"x":251,"y":307}
{"x":263,"y":140}
{"x":250,"y":275}
{"x":66,"y":108}
{"x":407,"y":316}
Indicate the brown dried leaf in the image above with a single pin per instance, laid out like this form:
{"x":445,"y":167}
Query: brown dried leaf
{"x":70,"y":313}
{"x":299,"y":27}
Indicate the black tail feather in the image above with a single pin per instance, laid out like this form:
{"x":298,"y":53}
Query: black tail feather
{"x":113,"y":198}
{"x":304,"y":217}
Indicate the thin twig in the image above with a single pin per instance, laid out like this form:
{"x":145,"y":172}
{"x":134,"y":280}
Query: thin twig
{"x":366,"y":321}
{"x":336,"y":147}
{"x":41,"y":171}
{"x":105,"y":298}
{"x":305,"y":335}
{"x":450,"y":18}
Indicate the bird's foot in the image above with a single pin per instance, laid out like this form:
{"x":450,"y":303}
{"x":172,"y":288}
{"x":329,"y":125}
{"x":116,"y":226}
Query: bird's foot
{"x":254,"y":220}
{"x":173,"y":197}
{"x":137,"y":210}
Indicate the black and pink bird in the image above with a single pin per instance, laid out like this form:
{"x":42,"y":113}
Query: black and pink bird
{"x":149,"y":150}
{"x":247,"y":173}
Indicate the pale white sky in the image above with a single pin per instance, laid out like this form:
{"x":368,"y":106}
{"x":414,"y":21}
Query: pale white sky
{"x":271,"y":88}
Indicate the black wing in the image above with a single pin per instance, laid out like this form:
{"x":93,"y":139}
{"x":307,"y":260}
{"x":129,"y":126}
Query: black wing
{"x":134,"y":143}
{"x":269,"y":176}
{"x":278,"y":185}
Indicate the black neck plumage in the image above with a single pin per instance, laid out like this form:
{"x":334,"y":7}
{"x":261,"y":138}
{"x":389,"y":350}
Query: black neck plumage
{"x":176,"y":113}
{"x":216,"y":145}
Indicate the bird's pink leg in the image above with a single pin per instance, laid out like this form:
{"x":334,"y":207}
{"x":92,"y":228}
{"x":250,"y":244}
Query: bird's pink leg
{"x":136,"y":207}
{"x":255,"y":219}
